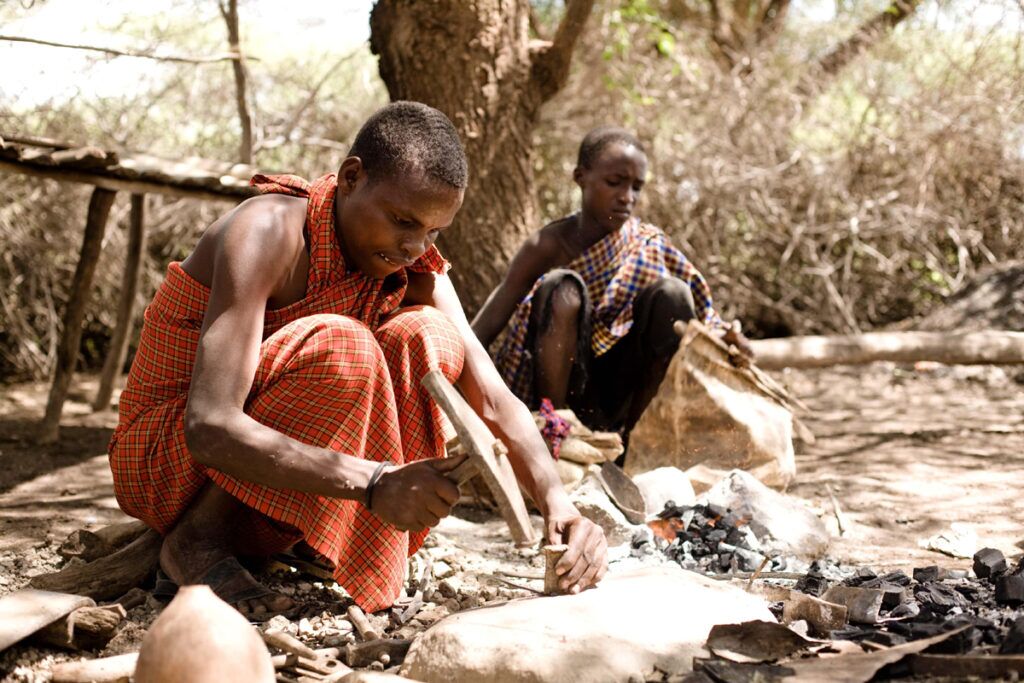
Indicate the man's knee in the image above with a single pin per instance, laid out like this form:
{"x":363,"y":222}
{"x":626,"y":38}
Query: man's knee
{"x":425,"y":332}
{"x":672,"y":297}
{"x":336,"y":343}
{"x":563,"y":294}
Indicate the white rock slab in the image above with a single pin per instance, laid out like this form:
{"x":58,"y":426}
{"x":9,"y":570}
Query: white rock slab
{"x":791,"y":528}
{"x":664,"y":484}
{"x":633,"y":622}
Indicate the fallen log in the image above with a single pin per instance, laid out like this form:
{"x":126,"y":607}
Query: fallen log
{"x":92,"y":545}
{"x":952,"y":348}
{"x":108,"y":577}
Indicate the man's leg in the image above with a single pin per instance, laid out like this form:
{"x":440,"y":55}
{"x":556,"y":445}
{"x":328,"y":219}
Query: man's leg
{"x":624,"y":380}
{"x":322,"y":380}
{"x":558,"y":336}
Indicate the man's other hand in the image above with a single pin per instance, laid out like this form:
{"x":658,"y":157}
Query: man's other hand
{"x":586,"y":560}
{"x":416,"y":496}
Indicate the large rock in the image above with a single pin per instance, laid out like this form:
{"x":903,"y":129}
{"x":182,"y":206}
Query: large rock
{"x":619,"y":631}
{"x":664,"y":484}
{"x":781,"y":522}
{"x":594,"y":504}
{"x":708,"y":412}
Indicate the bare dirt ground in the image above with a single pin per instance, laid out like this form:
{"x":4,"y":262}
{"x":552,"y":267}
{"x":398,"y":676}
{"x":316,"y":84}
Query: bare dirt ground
{"x":906,"y":451}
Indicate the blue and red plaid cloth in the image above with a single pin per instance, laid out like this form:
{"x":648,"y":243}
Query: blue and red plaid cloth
{"x":615,"y":270}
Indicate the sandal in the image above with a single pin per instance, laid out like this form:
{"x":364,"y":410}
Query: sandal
{"x":219,"y":577}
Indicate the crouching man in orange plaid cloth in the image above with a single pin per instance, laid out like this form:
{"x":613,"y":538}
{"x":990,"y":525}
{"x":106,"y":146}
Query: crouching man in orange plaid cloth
{"x":275,"y":396}
{"x":589,"y":302}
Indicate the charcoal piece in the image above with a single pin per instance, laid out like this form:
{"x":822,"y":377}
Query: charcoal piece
{"x":812,"y":584}
{"x":988,"y":562}
{"x":970,"y":591}
{"x":909,"y":609}
{"x":896,"y":578}
{"x":727,"y":522}
{"x":958,"y":644}
{"x":916,"y":630}
{"x":737,"y":538}
{"x":1013,"y":643}
{"x":924,"y":574}
{"x":862,"y":576}
{"x":725,"y":561}
{"x":1010,"y":590}
{"x":715,"y":536}
{"x":885,"y":638}
{"x":892,"y":595}
{"x":851,"y":632}
{"x":938,"y":598}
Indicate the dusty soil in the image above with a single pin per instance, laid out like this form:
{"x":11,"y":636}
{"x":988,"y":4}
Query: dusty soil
{"x":906,"y":452}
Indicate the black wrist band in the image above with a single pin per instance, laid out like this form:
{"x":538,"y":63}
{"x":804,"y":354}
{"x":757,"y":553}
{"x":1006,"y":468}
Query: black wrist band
{"x":373,"y":482}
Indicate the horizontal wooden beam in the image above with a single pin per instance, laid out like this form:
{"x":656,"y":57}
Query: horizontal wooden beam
{"x":136,"y":186}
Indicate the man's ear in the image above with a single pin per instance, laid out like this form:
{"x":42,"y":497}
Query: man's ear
{"x":349,"y":175}
{"x":577,"y":175}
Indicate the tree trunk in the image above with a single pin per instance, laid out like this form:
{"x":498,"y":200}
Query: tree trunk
{"x":473,"y":60}
{"x":230,"y":13}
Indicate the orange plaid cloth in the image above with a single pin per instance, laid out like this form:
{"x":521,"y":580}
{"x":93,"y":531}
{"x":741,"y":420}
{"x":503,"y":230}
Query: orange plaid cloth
{"x":339,"y":369}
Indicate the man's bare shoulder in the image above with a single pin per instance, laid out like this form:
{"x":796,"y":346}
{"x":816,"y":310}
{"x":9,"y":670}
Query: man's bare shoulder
{"x":547,"y":246}
{"x":266,"y":228}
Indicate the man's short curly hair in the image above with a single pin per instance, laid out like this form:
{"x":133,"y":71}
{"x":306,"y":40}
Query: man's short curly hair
{"x":596,"y":140}
{"x":405,"y":137}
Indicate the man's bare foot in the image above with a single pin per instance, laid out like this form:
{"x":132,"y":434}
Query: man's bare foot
{"x":199,"y":550}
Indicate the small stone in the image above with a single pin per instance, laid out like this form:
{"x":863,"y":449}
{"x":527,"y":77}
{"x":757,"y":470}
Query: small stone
{"x":471,"y":601}
{"x":449,"y":588}
{"x":343,"y":625}
{"x":442,"y":569}
{"x":305,"y":586}
{"x":375,"y":666}
{"x":384,"y":658}
{"x":922,"y":574}
{"x":305,"y":628}
{"x":287,"y":590}
{"x":279,"y":622}
{"x":452,"y":604}
{"x":335,"y":640}
{"x":1010,"y":590}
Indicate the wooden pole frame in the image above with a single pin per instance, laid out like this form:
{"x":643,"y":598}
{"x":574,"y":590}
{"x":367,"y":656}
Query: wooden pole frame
{"x":126,"y":304}
{"x":74,"y":312}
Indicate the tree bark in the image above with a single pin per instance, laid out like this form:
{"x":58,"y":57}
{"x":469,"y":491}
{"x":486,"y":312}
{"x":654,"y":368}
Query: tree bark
{"x":230,"y":13}
{"x":473,"y":60}
{"x":952,"y":348}
{"x":74,"y":313}
{"x":126,"y":305}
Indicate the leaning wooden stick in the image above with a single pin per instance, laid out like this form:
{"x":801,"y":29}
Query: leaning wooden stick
{"x":362,"y":624}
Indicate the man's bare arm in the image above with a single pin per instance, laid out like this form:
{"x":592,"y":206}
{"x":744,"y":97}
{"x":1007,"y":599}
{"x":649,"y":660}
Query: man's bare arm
{"x":585,"y":562}
{"x":537,"y":255}
{"x":252,"y":257}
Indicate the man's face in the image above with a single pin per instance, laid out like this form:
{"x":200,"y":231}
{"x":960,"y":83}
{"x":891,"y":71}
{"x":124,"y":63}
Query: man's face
{"x":611,"y":186}
{"x":386,"y":224}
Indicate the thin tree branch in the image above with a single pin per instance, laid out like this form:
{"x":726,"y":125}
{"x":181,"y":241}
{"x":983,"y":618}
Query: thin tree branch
{"x":866,"y":36}
{"x":125,"y":53}
{"x":551,"y":63}
{"x":230,"y":14}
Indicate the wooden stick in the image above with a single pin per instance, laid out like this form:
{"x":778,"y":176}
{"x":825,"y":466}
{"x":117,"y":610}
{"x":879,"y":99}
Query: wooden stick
{"x":552,"y":554}
{"x":117,"y":669}
{"x":362,"y":624}
{"x":92,"y":545}
{"x":288,"y":643}
{"x":125,"y":53}
{"x":953,"y":348}
{"x":87,"y":628}
{"x":74,"y":311}
{"x":126,"y":304}
{"x":840,"y":520}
